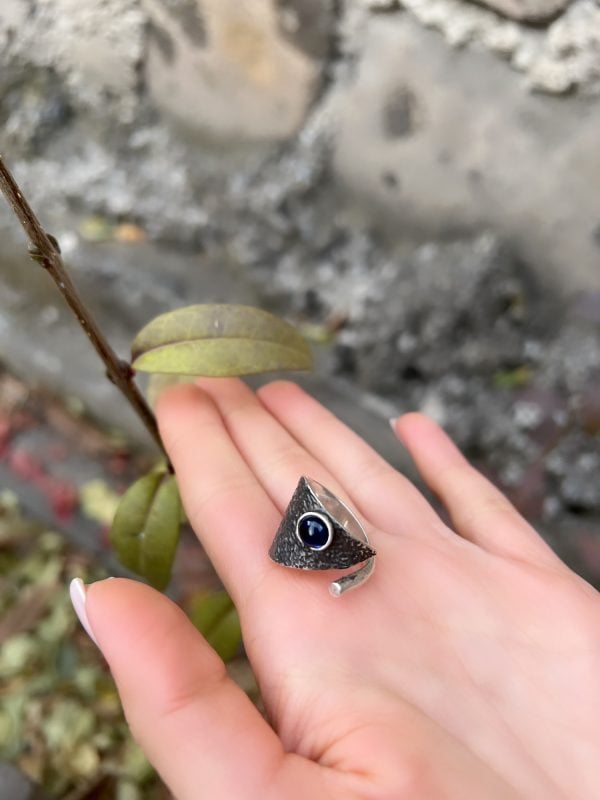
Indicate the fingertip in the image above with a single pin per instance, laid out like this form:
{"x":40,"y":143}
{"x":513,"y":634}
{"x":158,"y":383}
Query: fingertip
{"x":422,"y":434}
{"x":106,"y":601}
{"x":279,"y":394}
{"x":283,"y":396}
{"x":177,"y":414}
{"x":78,"y":595}
{"x":135,"y":624}
{"x":108,"y":589}
{"x":405,"y":424}
{"x":98,"y":604}
{"x":205,"y":384}
{"x":278,"y":387}
{"x":174,"y":398}
{"x":126,"y":614}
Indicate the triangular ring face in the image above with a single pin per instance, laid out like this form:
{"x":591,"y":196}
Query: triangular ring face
{"x":288,"y":549}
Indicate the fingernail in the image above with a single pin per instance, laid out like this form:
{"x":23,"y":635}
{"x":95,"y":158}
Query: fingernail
{"x":393,"y":421}
{"x":77,"y":591}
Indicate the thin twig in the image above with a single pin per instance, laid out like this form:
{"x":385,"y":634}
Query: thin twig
{"x":45,"y":250}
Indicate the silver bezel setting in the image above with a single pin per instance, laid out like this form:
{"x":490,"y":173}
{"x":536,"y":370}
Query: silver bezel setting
{"x":325,"y":520}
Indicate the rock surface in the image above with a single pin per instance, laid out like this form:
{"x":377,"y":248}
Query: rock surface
{"x":434,"y":156}
{"x":95,"y":47}
{"x":14,"y":785}
{"x":559,"y":57}
{"x":235,"y":72}
{"x":527,"y":10}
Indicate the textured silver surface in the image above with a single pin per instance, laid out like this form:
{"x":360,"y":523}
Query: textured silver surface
{"x":343,"y":552}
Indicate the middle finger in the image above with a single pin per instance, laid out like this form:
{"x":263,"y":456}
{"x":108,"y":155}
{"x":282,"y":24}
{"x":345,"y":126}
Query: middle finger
{"x":275,"y":457}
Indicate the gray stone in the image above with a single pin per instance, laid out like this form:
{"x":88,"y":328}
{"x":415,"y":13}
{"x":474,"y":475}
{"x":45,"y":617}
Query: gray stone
{"x":525,"y":166}
{"x":225,"y":71}
{"x":96,"y":47}
{"x":574,"y":465}
{"x":399,"y":112}
{"x":563,"y":56}
{"x":14,"y":785}
{"x":189,"y":16}
{"x":307,"y":24}
{"x":527,"y":10}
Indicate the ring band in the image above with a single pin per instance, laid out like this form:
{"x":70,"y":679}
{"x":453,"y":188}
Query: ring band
{"x":318,"y":532}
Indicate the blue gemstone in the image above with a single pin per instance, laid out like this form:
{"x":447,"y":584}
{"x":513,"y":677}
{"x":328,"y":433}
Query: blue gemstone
{"x":313,"y":532}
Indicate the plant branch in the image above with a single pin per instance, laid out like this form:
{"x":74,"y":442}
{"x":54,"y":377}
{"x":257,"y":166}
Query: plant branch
{"x":45,"y":250}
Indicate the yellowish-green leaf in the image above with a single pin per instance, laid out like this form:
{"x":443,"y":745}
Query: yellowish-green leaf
{"x":145,"y":529}
{"x":205,"y":609}
{"x":514,"y":378}
{"x":219,"y":340}
{"x":98,"y":501}
{"x":226,"y":636}
{"x":216,"y":618}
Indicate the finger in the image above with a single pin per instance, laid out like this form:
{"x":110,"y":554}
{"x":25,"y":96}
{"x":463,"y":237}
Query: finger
{"x":197,"y":727}
{"x":278,"y":461}
{"x":479,"y":511}
{"x":275,"y":457}
{"x":380,"y":492}
{"x":226,"y":505}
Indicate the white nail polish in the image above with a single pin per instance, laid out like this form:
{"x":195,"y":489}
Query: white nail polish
{"x":77,"y":591}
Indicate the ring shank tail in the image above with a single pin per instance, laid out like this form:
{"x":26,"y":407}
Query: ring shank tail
{"x":346,"y":519}
{"x":343,"y":585}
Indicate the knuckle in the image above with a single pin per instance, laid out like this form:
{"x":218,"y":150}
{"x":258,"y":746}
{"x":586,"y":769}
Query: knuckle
{"x":187,"y":695}
{"x":373,"y":470}
{"x":288,"y":454}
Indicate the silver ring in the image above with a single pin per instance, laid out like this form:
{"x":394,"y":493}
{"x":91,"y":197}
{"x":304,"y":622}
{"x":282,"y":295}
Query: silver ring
{"x":319,"y":532}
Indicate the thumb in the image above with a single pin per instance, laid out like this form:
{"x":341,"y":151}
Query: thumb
{"x":197,"y":727}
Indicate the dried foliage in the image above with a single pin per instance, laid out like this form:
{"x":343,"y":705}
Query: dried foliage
{"x":60,"y":717}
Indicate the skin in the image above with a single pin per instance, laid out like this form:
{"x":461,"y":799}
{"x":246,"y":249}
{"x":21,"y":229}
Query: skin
{"x":466,"y":667}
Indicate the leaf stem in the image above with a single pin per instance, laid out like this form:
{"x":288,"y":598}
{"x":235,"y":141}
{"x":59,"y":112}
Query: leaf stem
{"x":45,"y":250}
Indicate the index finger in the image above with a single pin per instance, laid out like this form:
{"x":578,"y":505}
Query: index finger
{"x":230,"y":511}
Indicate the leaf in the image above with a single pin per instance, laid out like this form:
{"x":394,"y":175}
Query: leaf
{"x":219,"y":340}
{"x":514,"y":378}
{"x":145,"y":529}
{"x":216,"y":618}
{"x":98,"y":501}
{"x":31,"y":604}
{"x":226,"y":636}
{"x":207,"y":608}
{"x":96,"y":229}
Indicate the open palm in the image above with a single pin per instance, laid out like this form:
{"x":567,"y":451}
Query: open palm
{"x":467,"y":667}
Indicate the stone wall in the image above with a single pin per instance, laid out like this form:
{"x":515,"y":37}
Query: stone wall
{"x":246,"y":139}
{"x":441,"y":116}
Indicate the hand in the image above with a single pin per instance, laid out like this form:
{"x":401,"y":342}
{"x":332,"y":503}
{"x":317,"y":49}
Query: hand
{"x":466,"y":667}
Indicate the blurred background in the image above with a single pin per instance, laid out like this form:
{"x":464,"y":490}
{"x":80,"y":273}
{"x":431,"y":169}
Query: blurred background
{"x":415,"y":184}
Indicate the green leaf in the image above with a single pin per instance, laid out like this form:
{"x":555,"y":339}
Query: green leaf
{"x":145,"y":529}
{"x":514,"y":378}
{"x":226,"y":637}
{"x":207,"y":608}
{"x":219,"y":340}
{"x":216,"y":618}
